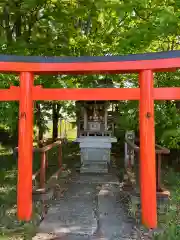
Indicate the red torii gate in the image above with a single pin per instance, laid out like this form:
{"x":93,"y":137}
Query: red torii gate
{"x":144,"y":64}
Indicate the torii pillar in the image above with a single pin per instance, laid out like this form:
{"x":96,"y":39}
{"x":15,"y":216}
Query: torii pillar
{"x":147,"y":150}
{"x":25,"y":147}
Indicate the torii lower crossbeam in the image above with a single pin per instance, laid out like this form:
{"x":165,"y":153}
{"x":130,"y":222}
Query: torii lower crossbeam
{"x":102,"y":94}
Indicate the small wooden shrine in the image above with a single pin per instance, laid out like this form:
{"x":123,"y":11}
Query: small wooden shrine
{"x":95,"y":134}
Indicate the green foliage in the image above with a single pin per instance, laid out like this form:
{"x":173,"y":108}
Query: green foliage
{"x":171,"y":138}
{"x":73,"y":28}
{"x":167,"y":124}
{"x":10,"y":227}
{"x":171,"y":223}
{"x":127,"y":118}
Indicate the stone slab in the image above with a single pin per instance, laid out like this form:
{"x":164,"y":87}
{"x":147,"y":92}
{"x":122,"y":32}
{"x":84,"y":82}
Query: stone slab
{"x":98,"y":139}
{"x":90,"y":209}
{"x":113,"y":221}
{"x":93,"y":170}
{"x":73,"y":213}
{"x":94,"y":167}
{"x":97,"y":179}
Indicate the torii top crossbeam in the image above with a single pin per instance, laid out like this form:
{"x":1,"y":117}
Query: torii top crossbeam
{"x":102,"y":64}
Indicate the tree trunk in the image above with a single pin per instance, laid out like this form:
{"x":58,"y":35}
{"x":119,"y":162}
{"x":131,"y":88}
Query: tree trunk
{"x":6,"y":17}
{"x":56,"y":108}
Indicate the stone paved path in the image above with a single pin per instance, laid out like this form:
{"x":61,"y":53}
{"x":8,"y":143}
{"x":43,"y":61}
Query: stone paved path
{"x":90,"y":209}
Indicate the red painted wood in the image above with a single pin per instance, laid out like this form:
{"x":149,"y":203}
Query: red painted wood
{"x":39,"y":93}
{"x":147,"y":151}
{"x":167,"y":93}
{"x":102,"y":94}
{"x":25,"y":148}
{"x":92,"y":67}
{"x":11,"y":94}
{"x":86,"y":94}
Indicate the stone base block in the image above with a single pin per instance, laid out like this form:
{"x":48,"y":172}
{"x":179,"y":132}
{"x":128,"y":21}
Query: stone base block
{"x":94,"y":167}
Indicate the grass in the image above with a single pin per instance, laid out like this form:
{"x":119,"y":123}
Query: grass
{"x":72,"y":134}
{"x":71,"y":131}
{"x":170,"y":221}
{"x":168,"y":211}
{"x":10,"y":228}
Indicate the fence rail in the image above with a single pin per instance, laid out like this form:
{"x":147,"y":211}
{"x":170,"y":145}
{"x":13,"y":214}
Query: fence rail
{"x":159,"y":150}
{"x":41,"y":172}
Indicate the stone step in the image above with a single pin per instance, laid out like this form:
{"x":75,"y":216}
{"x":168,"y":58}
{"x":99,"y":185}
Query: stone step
{"x":96,"y":178}
{"x":93,"y":170}
{"x":94,"y":162}
{"x":94,"y":167}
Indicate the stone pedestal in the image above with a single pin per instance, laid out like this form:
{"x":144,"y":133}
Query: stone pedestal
{"x":95,"y":153}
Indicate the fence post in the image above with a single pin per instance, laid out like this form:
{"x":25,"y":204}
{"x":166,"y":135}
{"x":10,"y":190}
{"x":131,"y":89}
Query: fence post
{"x":43,"y":170}
{"x":60,"y":155}
{"x":129,"y":152}
{"x":158,"y":172}
{"x":47,"y":159}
